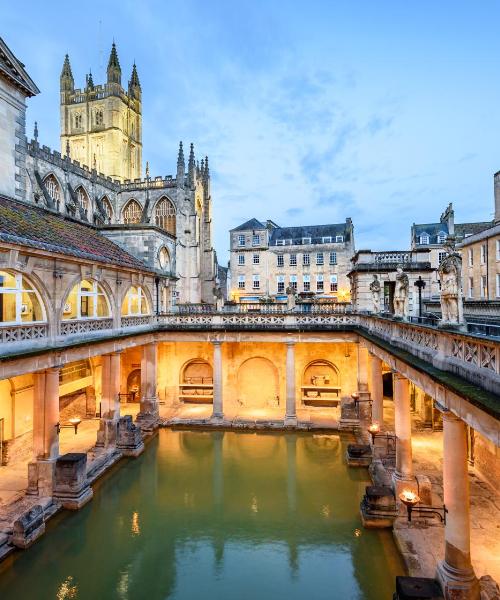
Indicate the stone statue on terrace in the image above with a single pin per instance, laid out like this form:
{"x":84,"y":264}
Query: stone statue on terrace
{"x":450,"y":273}
{"x":375,"y":290}
{"x":401,"y":292}
{"x":290,"y":298}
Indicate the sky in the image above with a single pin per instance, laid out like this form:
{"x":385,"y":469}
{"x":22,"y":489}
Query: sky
{"x":309,"y":111}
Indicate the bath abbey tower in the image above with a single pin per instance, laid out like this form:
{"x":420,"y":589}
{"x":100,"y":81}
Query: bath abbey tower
{"x":101,"y":125}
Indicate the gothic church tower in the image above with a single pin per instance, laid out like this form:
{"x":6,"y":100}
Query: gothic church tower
{"x":101,"y":125}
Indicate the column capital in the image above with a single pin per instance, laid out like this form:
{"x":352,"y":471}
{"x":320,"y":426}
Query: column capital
{"x":449,"y":416}
{"x":216,"y":342}
{"x":400,"y":376}
{"x":290,"y":342}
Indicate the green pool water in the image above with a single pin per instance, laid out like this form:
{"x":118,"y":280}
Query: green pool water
{"x":215,"y":515}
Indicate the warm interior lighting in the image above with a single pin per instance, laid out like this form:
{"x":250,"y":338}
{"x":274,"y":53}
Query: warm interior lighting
{"x":373,"y":429}
{"x":409,"y":497}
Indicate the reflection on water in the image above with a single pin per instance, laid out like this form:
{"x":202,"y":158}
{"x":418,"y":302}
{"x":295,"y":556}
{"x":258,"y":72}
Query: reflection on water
{"x":215,"y":515}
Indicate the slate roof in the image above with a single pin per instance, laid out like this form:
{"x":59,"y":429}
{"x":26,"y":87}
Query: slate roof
{"x":13,"y":69}
{"x":434,"y":229}
{"x":315,"y":232}
{"x":251,"y":224}
{"x":37,"y":228}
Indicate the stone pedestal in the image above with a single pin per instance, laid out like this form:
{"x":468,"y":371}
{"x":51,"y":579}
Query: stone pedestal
{"x":455,"y":572}
{"x":378,"y":507}
{"x":291,"y":394}
{"x":348,"y":415}
{"x":129,"y":437}
{"x":71,"y":487}
{"x":28,"y":527}
{"x":218,"y":407}
{"x":403,"y":475}
{"x":41,"y":477}
{"x":107,"y":433}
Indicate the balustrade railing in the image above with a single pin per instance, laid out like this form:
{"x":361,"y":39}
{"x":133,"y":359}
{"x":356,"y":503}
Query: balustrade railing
{"x":85,"y":325}
{"x":19,"y":333}
{"x":136,"y":321}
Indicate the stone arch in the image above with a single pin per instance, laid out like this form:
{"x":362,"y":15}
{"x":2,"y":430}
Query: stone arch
{"x":53,"y":187}
{"x":21,"y":297}
{"x":108,"y":208}
{"x":258,"y":383}
{"x":134,"y":385}
{"x":145,"y":293}
{"x":165,"y":215}
{"x":321,"y":368}
{"x":132,"y":212}
{"x":196,"y":382}
{"x":164,"y":259}
{"x":84,"y":199}
{"x":101,"y":289}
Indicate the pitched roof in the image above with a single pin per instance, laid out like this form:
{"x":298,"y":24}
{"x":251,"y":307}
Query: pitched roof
{"x":251,"y":224}
{"x":38,"y":228}
{"x":434,"y":229}
{"x":315,"y":232}
{"x":13,"y":69}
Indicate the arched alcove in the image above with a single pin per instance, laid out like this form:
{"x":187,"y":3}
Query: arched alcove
{"x":196,"y":382}
{"x":258,"y":385}
{"x":321,"y":384}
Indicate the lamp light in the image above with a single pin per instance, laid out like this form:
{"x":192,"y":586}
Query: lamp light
{"x":410,"y":499}
{"x":373,"y":429}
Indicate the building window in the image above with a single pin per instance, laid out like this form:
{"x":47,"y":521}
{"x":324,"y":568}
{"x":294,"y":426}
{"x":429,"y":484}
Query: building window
{"x":293,"y":260}
{"x":333,"y":258}
{"x":484,"y":287}
{"x":319,"y":283}
{"x":307,"y":283}
{"x":441,"y":257}
{"x":280,"y":242}
{"x":470,"y":253}
{"x":19,"y":301}
{"x":256,"y":282}
{"x":483,"y":253}
{"x":327,"y":239}
{"x":256,"y":259}
{"x":471,"y":287}
{"x":293,"y":282}
{"x":135,"y":302}
{"x":498,"y":285}
{"x":78,"y":120}
{"x":306,"y":259}
{"x":164,"y":259}
{"x":241,"y":282}
{"x":333,"y":283}
{"x":441,"y":237}
{"x":339,"y":238}
{"x":306,"y":240}
{"x":319,"y":258}
{"x":498,"y":249}
{"x":83,"y":199}
{"x":424,"y":239}
{"x":132,"y":212}
{"x":99,"y":118}
{"x":255,"y":239}
{"x":281,"y":283}
{"x":165,"y":215}
{"x":280,"y":260}
{"x":86,"y":300}
{"x":53,"y":188}
{"x":241,"y":259}
{"x":241,"y":240}
{"x":108,"y":209}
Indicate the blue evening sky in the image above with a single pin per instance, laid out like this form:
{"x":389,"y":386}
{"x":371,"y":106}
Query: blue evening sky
{"x":310,"y":112}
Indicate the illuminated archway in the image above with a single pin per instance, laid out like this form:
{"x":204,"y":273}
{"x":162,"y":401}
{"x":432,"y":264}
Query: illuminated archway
{"x":257,"y":383}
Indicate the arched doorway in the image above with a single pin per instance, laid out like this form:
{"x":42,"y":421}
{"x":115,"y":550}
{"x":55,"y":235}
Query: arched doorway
{"x":134,"y":385}
{"x":258,"y":383}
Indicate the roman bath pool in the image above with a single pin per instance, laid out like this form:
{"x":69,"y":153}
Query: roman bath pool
{"x":217,"y":515}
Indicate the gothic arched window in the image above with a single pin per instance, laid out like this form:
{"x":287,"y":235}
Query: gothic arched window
{"x":99,"y":117}
{"x":86,"y":300}
{"x":132,"y":212}
{"x":108,"y":209}
{"x":53,"y":188}
{"x":83,"y":199}
{"x":78,"y":120}
{"x":165,"y":215}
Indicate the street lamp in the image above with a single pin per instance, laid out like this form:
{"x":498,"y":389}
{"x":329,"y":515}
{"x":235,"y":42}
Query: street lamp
{"x":420,"y":284}
{"x":410,"y":499}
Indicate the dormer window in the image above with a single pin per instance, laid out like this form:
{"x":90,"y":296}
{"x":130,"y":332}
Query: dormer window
{"x":327,"y":239}
{"x":306,"y":240}
{"x":339,"y":238}
{"x":424,"y":239}
{"x":280,"y":242}
{"x":441,"y":237}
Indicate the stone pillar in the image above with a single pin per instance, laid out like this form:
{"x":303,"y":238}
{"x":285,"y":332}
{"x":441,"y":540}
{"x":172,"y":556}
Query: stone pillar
{"x":376,"y":388}
{"x":455,"y":573}
{"x":362,"y":369}
{"x":110,"y":400}
{"x":45,"y":432}
{"x":218,"y":409}
{"x":403,"y":475}
{"x":149,"y":396}
{"x":291,"y":410}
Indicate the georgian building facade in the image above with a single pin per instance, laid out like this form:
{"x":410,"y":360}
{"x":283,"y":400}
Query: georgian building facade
{"x":266,"y":260}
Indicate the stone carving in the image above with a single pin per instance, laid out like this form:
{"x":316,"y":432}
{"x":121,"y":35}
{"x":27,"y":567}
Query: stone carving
{"x":375,"y":290}
{"x":401,"y":293}
{"x":291,"y":300}
{"x":450,"y":272}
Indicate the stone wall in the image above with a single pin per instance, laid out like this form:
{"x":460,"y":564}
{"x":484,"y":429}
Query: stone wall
{"x":487,"y":459}
{"x":18,"y":449}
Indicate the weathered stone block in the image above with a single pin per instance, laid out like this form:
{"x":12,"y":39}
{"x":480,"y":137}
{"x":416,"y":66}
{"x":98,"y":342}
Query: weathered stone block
{"x":359,"y":455}
{"x":28,"y":527}
{"x":417,"y":588}
{"x":107,"y":433}
{"x":41,"y":477}
{"x":424,"y":489}
{"x":129,"y":438}
{"x":71,"y":487}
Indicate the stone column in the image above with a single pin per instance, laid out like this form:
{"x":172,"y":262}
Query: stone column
{"x":218,"y":410}
{"x":149,"y":396}
{"x":455,"y":573}
{"x":403,"y":475}
{"x":376,"y":388}
{"x":45,"y":432}
{"x":110,"y":399}
{"x":362,"y":369}
{"x":291,"y":410}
